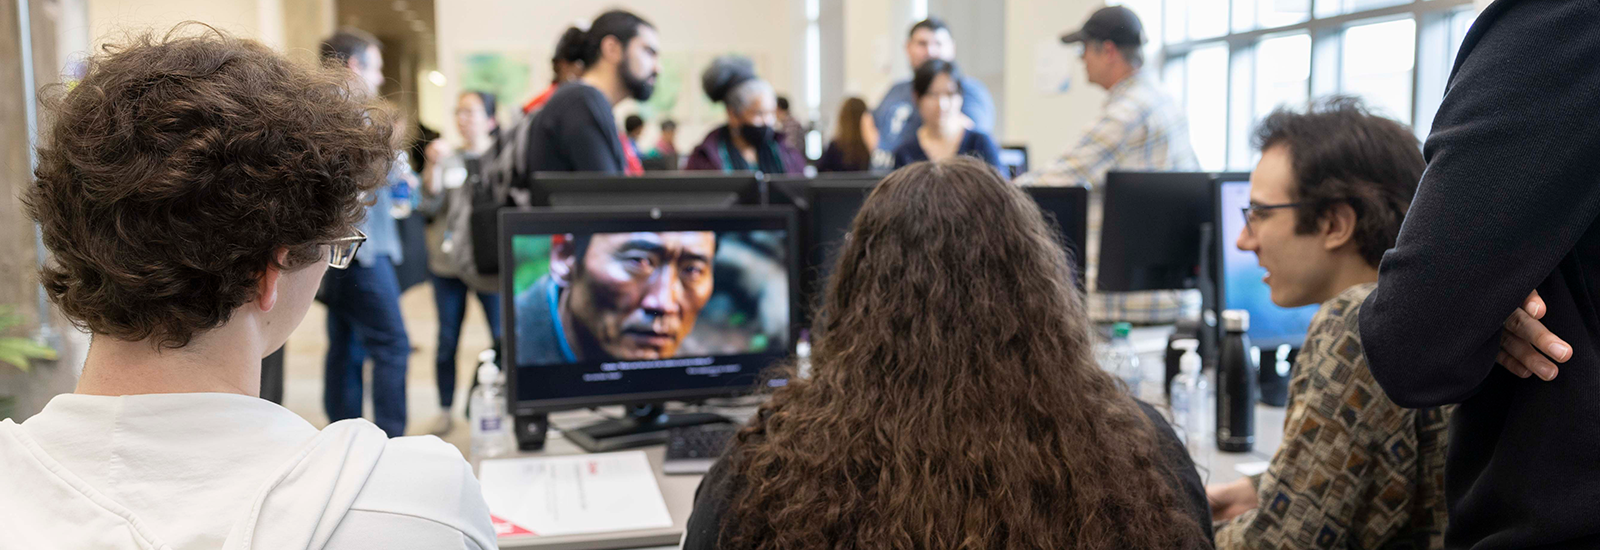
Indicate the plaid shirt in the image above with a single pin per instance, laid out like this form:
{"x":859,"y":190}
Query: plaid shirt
{"x":1139,"y":130}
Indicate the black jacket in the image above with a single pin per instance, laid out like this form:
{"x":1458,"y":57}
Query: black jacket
{"x":711,"y":500}
{"x":1507,"y":205}
{"x":575,"y":132}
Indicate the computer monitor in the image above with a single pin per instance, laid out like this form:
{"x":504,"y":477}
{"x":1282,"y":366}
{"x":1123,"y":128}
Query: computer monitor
{"x":1241,"y":285}
{"x":631,"y":306}
{"x":830,"y":204}
{"x":1067,"y":209}
{"x":675,"y":189}
{"x":1014,"y":160}
{"x":1151,"y":230}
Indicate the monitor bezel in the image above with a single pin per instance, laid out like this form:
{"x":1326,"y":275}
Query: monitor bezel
{"x":750,"y":187}
{"x":531,"y":220}
{"x":1080,"y":227}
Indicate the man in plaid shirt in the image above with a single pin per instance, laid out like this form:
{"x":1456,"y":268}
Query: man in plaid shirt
{"x":1140,"y":130}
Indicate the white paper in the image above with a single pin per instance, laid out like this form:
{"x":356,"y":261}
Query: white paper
{"x":575,"y":494}
{"x":1252,"y":468}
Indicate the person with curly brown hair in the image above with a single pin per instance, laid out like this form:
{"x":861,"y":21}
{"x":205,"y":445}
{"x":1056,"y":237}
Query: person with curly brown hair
{"x":954,"y":400}
{"x":193,"y":189}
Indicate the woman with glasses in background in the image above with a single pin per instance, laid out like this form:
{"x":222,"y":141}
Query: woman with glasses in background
{"x":191,"y":221}
{"x":448,"y":178}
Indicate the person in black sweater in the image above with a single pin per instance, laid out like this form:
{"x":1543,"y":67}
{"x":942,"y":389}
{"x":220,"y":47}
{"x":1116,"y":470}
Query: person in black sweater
{"x":953,"y":401}
{"x":850,"y":150}
{"x":1507,"y":206}
{"x":576,"y":131}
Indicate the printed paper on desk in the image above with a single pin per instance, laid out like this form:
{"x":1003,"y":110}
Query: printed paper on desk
{"x":570,"y":495}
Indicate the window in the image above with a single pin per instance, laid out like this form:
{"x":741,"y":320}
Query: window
{"x":1206,"y":101}
{"x":1231,"y":62}
{"x":1283,"y":73}
{"x":1377,"y":63}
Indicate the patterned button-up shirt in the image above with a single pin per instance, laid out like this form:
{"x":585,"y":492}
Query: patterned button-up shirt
{"x":1355,"y":470}
{"x":1139,"y":130}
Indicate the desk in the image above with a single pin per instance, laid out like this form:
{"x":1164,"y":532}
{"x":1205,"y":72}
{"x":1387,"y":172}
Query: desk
{"x":677,"y":490}
{"x":1214,"y":465}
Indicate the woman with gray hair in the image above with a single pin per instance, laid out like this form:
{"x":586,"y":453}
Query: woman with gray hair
{"x":749,"y":140}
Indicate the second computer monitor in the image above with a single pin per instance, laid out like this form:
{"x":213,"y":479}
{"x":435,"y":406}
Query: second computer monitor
{"x":675,"y":189}
{"x":1150,"y":236}
{"x":1241,"y":285}
{"x":831,"y":205}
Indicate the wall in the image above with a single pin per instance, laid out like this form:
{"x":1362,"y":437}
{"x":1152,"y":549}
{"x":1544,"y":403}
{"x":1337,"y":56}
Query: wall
{"x":1047,"y":122}
{"x":692,"y":33}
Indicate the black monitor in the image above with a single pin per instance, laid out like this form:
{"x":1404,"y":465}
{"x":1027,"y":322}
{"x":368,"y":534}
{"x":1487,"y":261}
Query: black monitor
{"x":632,"y":306}
{"x":1013,"y":160}
{"x":830,"y":204}
{"x":1066,"y":209}
{"x":1151,"y":230}
{"x":674,"y":189}
{"x":1240,"y":284}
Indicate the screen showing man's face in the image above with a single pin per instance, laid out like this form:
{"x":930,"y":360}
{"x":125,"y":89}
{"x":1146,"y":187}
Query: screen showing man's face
{"x":638,"y":294}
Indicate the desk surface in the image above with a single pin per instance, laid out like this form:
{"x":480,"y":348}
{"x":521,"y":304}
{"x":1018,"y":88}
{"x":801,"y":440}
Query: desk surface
{"x":1214,"y":465}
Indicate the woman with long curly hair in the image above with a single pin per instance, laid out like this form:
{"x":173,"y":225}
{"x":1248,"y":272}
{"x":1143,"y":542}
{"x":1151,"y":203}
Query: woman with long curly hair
{"x":954,"y":401}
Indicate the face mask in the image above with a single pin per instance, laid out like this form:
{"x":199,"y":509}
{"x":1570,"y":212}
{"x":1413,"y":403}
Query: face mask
{"x":756,"y":135}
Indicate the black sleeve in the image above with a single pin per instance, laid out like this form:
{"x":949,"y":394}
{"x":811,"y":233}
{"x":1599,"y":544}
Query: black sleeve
{"x":832,"y":159}
{"x":587,"y":136}
{"x":987,"y":150}
{"x":1191,"y":492}
{"x":1509,"y":189}
{"x":711,"y":501}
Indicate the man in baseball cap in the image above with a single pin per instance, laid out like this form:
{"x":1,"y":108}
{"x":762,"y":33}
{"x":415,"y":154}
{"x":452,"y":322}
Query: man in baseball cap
{"x":1140,"y":129}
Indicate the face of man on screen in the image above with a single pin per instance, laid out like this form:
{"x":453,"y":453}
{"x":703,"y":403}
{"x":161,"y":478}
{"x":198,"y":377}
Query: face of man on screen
{"x":635,"y":296}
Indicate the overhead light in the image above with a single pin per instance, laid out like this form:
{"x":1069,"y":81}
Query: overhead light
{"x":399,"y":5}
{"x":437,"y":78}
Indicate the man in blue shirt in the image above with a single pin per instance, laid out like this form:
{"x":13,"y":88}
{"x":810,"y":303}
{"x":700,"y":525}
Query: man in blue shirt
{"x":363,"y":301}
{"x":896,"y":116}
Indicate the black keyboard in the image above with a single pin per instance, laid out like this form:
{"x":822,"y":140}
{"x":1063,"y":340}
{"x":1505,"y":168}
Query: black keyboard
{"x":693,"y":449}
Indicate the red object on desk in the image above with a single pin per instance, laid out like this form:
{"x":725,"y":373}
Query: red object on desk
{"x":503,"y":528}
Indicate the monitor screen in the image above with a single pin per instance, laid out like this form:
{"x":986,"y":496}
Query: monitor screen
{"x":1242,"y":284}
{"x":1014,"y":160}
{"x":1151,"y":234}
{"x":624,"y":306}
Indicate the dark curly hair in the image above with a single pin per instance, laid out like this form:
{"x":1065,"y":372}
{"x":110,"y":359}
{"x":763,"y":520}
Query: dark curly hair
{"x":180,"y":165}
{"x":954,"y":401}
{"x":1342,"y":153}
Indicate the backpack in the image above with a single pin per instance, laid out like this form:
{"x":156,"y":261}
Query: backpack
{"x":473,"y":220}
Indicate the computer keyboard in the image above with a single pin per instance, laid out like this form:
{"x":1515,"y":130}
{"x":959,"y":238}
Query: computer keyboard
{"x":693,"y":449}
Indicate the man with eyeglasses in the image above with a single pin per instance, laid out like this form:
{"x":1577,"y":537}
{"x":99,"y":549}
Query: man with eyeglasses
{"x":1355,"y":470}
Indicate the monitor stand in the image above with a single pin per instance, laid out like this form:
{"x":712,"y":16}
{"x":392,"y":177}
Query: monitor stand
{"x":646,"y":424}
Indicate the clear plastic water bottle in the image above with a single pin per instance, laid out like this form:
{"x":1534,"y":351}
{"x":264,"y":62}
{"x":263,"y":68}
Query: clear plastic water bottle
{"x":1189,"y":396}
{"x":1123,"y":361}
{"x":491,"y":426}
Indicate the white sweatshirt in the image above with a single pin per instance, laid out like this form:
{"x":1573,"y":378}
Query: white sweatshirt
{"x":213,"y":470}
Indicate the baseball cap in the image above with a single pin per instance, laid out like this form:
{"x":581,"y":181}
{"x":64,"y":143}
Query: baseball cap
{"x":1116,"y":24}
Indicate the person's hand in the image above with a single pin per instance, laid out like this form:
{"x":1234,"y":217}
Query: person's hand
{"x":1231,"y":499}
{"x":437,"y":149}
{"x":1524,"y":337}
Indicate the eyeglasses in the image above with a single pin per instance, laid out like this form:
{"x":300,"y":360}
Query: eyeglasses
{"x":342,"y":250}
{"x":1257,"y":212}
